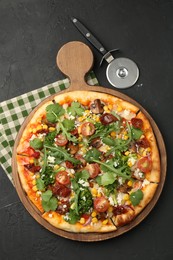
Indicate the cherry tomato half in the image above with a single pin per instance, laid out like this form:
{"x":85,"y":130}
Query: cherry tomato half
{"x":93,"y":169}
{"x":101,"y":204}
{"x":62,"y":177}
{"x":87,"y":129}
{"x":61,"y":140}
{"x":144,"y":164}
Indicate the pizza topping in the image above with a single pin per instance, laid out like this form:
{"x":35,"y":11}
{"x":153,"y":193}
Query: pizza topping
{"x":120,"y":209}
{"x":96,"y":107}
{"x":73,"y":148}
{"x":143,"y":142}
{"x":62,"y":177}
{"x":101,"y":204}
{"x":96,"y":142}
{"x":145,"y":164}
{"x":107,"y":118}
{"x":32,"y":168}
{"x":136,"y":197}
{"x":49,"y":202}
{"x":87,"y":129}
{"x":93,"y":169}
{"x":61,"y":140}
{"x":137,"y":123}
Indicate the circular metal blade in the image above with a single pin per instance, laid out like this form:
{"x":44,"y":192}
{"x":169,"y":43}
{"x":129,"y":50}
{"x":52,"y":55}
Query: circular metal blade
{"x":122,"y":73}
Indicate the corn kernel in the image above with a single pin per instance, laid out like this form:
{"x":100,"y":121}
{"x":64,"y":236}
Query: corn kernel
{"x":113,"y":134}
{"x":56,"y":167}
{"x":37,"y":176}
{"x":110,"y":106}
{"x":148,"y":149}
{"x":99,"y":194}
{"x":97,"y":119}
{"x":126,"y":197}
{"x":87,"y":112}
{"x":94,"y":214}
{"x":104,"y":222}
{"x":31,"y":161}
{"x":130,"y":164}
{"x":94,"y":191}
{"x":34,"y":188}
{"x":81,"y":145}
{"x":34,"y":182}
{"x":30,"y":130}
{"x":128,"y":202}
{"x":45,"y":127}
{"x":119,"y":109}
{"x":126,"y":137}
{"x":31,"y":173}
{"x":39,"y":127}
{"x":82,"y":220}
{"x":83,"y":149}
{"x":80,"y":119}
{"x":94,"y":220}
{"x":130,"y":183}
{"x":110,"y":209}
{"x":34,"y":131}
{"x":38,"y":194}
{"x":127,"y":153}
{"x":51,"y":129}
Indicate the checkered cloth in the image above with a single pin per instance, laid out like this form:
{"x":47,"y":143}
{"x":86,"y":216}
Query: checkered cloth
{"x":14,"y":111}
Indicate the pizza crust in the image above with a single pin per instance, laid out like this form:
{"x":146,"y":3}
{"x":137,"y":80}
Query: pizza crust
{"x":57,"y":221}
{"x":154,"y":175}
{"x":148,"y":191}
{"x":26,"y":179}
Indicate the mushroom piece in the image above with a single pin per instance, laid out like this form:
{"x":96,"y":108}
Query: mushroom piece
{"x":96,"y":106}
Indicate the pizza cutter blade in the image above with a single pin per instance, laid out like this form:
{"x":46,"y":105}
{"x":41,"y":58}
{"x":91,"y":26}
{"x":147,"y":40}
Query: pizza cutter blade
{"x":121,"y":72}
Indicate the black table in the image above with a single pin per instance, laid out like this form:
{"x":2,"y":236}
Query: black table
{"x":31,"y":33}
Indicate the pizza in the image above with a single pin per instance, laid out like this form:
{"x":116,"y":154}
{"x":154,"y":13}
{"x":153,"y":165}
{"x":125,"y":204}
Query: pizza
{"x":88,"y":161}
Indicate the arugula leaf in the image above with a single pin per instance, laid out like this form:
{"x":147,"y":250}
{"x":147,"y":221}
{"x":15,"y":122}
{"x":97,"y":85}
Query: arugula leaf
{"x":36,"y":143}
{"x":49,"y":138}
{"x":106,"y":179}
{"x":104,"y":130}
{"x":136,"y":197}
{"x":48,"y":176}
{"x":109,"y":141}
{"x":68,"y":124}
{"x":136,"y":133}
{"x":61,"y":153}
{"x":109,"y":167}
{"x":92,"y":155}
{"x":49,"y":202}
{"x":40,"y":184}
{"x":82,"y":175}
{"x":75,"y":109}
{"x":54,"y":111}
{"x":72,"y":217}
{"x":65,"y":132}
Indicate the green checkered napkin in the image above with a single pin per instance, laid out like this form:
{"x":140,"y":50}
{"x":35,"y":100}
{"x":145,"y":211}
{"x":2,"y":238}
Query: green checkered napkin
{"x":14,"y":111}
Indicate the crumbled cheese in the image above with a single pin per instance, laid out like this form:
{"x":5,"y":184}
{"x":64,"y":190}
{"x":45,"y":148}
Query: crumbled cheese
{"x":120,"y":180}
{"x":65,"y":106}
{"x":33,"y":137}
{"x":51,"y":159}
{"x":41,"y":136}
{"x":84,"y":198}
{"x":127,"y":114}
{"x":145,"y":182}
{"x":50,"y":215}
{"x":115,"y":164}
{"x":132,"y":160}
{"x":111,"y":201}
{"x":83,"y":183}
{"x":104,"y":148}
{"x":120,"y":197}
{"x":138,"y":174}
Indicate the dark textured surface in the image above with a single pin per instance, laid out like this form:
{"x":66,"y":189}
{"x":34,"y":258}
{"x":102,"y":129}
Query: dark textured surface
{"x":31,"y":32}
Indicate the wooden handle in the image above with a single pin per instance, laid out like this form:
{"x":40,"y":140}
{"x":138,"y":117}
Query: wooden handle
{"x":75,"y":59}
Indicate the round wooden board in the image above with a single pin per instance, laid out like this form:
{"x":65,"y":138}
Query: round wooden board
{"x":76,"y":69}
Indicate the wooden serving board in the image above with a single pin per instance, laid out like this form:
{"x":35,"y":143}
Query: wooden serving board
{"x":75,"y":59}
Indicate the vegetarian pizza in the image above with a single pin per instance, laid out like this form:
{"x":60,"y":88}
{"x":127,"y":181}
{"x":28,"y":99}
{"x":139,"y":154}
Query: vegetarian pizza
{"x":88,"y":161}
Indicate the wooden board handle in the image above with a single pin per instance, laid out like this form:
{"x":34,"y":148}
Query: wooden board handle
{"x":75,"y":59}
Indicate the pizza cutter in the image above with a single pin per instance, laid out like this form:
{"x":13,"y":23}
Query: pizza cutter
{"x":121,"y":72}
